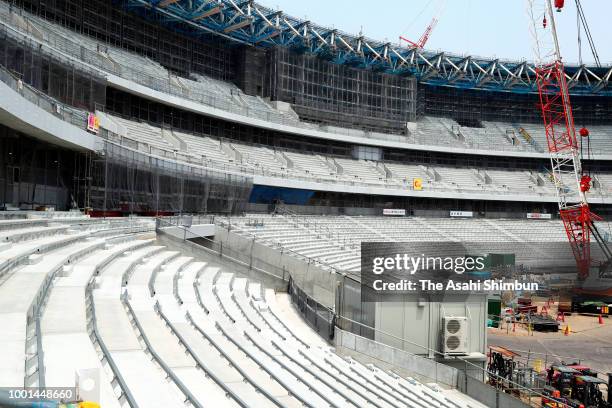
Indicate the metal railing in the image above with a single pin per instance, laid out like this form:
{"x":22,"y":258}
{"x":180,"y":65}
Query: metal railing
{"x":324,"y":316}
{"x":319,"y":317}
{"x":217,"y":248}
{"x":160,"y":361}
{"x":106,"y":354}
{"x":198,"y":361}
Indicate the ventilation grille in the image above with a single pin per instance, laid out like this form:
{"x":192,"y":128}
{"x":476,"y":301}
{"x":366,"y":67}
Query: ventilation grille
{"x":453,"y":326}
{"x":452,"y":342}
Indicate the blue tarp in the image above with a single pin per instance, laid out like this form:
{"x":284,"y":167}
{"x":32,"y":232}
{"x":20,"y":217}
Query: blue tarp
{"x":269,"y":195}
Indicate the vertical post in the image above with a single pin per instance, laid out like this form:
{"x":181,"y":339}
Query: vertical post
{"x":465,"y":375}
{"x":105,"y":182}
{"x":251,"y":254}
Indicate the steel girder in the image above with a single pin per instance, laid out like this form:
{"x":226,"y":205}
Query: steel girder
{"x":250,"y":23}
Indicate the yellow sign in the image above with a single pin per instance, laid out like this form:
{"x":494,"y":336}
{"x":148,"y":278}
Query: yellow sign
{"x":417,"y":184}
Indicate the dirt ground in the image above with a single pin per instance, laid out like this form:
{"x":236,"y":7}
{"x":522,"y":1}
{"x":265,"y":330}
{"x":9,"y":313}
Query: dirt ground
{"x":588,"y":342}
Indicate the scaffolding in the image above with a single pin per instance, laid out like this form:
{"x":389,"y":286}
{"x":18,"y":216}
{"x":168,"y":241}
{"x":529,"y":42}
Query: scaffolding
{"x":334,"y":94}
{"x":129,"y":181}
{"x":469,"y":107}
{"x":108,"y":23}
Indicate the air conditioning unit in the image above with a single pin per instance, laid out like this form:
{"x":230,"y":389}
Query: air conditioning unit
{"x":455,"y":335}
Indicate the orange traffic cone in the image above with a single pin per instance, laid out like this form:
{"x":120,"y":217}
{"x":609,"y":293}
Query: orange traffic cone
{"x":600,"y":319}
{"x":566,"y":332}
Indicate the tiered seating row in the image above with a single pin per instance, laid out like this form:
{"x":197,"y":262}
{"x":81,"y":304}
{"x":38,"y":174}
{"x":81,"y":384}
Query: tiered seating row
{"x":335,"y":240}
{"x":227,"y":96}
{"x":163,"y":329}
{"x":289,"y":164}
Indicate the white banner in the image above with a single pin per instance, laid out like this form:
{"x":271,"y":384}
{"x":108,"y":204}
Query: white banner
{"x":467,"y":214}
{"x":393,"y":211}
{"x":539,"y":216}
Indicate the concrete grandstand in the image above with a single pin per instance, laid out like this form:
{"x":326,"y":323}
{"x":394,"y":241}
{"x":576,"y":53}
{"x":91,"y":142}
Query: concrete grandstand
{"x":183,"y":208}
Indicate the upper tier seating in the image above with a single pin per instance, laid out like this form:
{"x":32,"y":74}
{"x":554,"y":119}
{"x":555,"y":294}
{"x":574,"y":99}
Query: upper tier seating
{"x":263,"y":160}
{"x":227,"y":96}
{"x":141,"y":69}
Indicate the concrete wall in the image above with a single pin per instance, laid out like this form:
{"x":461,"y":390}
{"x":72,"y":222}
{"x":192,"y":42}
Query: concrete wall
{"x":312,"y":279}
{"x":423,"y":369}
{"x":20,"y":114}
{"x":489,"y":396}
{"x":195,"y":231}
{"x":388,"y":357}
{"x":202,"y":253}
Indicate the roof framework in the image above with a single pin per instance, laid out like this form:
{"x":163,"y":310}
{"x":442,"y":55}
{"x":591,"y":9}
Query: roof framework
{"x":253,"y":24}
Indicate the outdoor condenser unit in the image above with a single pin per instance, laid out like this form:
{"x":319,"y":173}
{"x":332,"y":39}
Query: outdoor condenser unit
{"x":455,"y":335}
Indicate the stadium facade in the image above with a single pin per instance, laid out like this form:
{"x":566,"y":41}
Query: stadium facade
{"x":474,"y":146}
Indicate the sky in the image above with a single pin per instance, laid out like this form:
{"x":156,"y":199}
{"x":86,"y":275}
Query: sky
{"x":489,"y":28}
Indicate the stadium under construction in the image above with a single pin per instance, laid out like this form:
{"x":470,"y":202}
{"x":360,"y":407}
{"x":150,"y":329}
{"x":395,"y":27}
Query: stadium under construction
{"x":192,"y":193}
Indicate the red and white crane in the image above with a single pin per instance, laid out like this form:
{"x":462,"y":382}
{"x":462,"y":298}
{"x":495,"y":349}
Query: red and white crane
{"x":423,"y":40}
{"x":441,"y":5}
{"x":571,"y":182}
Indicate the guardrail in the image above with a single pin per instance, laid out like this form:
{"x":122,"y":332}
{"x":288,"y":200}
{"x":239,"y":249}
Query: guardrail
{"x":198,"y":361}
{"x":218,"y":248}
{"x":231,"y":361}
{"x":106,"y":355}
{"x":177,"y":381}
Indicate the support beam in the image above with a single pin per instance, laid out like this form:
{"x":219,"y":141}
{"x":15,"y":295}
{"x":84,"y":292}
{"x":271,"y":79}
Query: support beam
{"x":228,"y":18}
{"x":208,"y":13}
{"x":166,"y":3}
{"x":247,"y":21}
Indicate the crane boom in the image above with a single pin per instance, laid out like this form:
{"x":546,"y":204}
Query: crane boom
{"x":564,"y":147}
{"x":424,"y":37}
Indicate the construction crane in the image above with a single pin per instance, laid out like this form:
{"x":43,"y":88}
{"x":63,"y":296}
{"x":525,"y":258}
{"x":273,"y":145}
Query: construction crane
{"x":563,"y":142}
{"x":434,"y":22}
{"x":423,"y":40}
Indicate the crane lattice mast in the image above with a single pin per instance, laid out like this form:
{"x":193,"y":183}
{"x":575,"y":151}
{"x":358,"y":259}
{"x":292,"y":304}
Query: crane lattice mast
{"x":563,"y":145}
